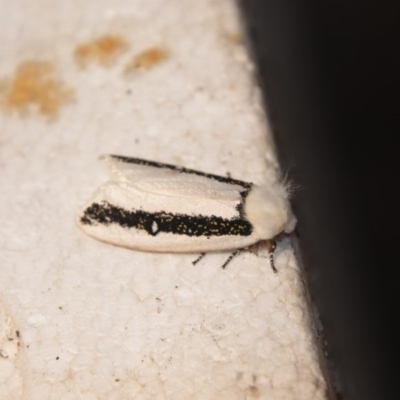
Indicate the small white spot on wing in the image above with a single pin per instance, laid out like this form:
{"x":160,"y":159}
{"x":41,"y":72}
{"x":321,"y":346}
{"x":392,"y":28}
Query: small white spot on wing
{"x":154,"y":227}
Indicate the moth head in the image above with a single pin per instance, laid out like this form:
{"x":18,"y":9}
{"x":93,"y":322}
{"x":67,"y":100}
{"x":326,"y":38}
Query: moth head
{"x":268,"y":209}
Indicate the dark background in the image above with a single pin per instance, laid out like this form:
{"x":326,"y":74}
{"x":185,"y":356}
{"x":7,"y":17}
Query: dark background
{"x":330,"y":75}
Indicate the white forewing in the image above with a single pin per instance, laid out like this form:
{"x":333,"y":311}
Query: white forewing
{"x":130,"y":197}
{"x":170,"y":182}
{"x":160,"y":207}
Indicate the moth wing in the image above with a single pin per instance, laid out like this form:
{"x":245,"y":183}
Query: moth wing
{"x":107,"y":217}
{"x":162,"y":208}
{"x":158,"y":179}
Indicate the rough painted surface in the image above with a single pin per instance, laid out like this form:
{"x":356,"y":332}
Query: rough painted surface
{"x":100,"y":322}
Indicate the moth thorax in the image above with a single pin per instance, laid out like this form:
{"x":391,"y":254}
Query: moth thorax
{"x":268,"y":210}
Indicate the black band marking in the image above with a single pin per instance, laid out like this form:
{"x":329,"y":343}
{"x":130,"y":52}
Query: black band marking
{"x":179,"y":224}
{"x":218,"y":178}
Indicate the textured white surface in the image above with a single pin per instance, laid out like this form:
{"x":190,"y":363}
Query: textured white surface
{"x":101,"y":322}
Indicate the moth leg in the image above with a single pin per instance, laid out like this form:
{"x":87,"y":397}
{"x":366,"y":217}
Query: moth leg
{"x":271,"y":246}
{"x":233,"y":254}
{"x":198,"y":258}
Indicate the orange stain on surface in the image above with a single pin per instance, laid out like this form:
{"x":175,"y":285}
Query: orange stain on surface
{"x":35,"y":85}
{"x":104,"y":50}
{"x":235,"y":38}
{"x":146,"y":60}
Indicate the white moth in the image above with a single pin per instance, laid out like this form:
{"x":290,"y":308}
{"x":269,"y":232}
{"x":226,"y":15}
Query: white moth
{"x":157,"y":207}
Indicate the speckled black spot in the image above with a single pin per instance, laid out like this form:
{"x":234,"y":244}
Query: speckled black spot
{"x":199,"y":225}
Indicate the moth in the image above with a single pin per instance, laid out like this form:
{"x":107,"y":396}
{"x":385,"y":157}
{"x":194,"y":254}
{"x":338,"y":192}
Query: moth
{"x":156,"y":207}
